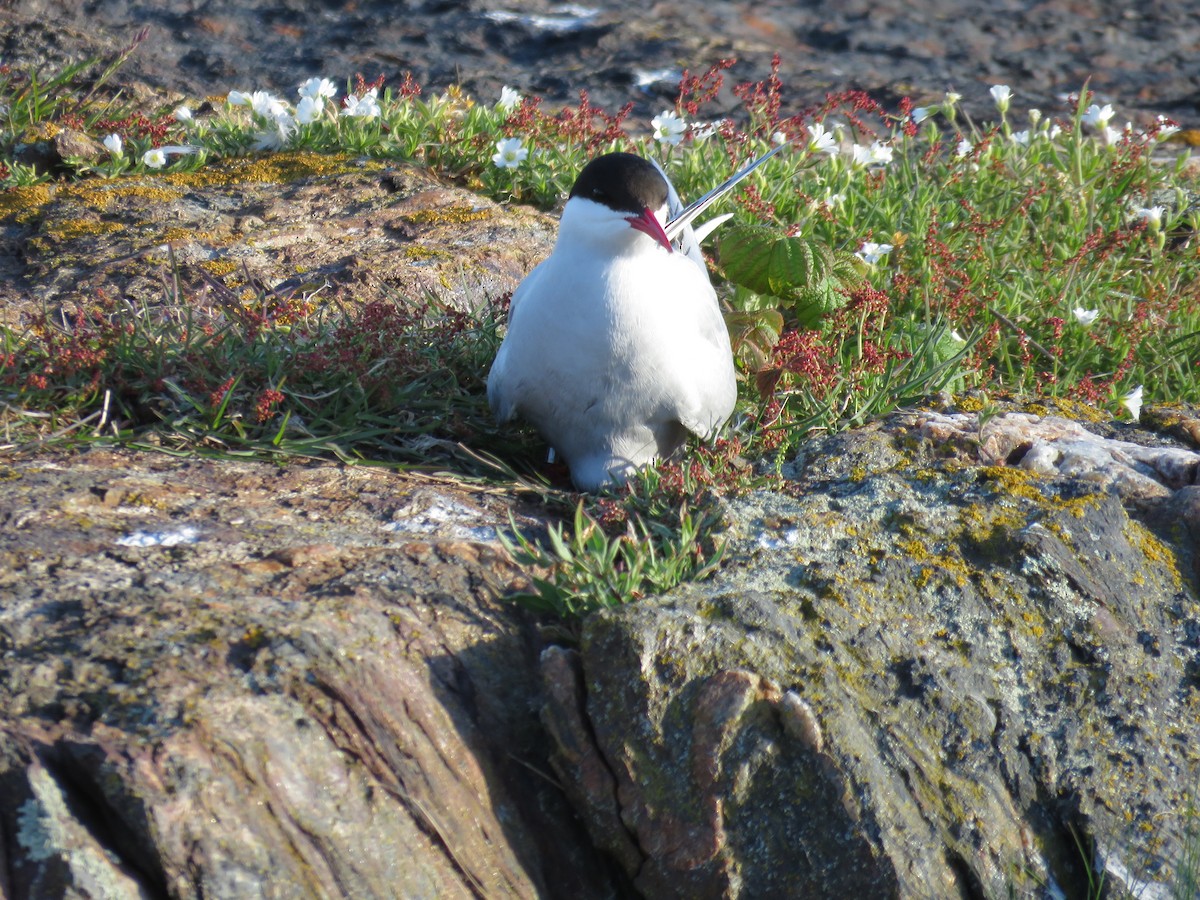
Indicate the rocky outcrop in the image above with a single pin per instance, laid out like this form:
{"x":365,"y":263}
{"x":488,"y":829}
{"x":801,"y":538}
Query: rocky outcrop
{"x":921,"y":677}
{"x":228,"y":679}
{"x":338,"y":228}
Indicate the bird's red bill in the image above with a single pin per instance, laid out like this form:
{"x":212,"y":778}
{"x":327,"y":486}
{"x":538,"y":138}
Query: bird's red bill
{"x":648,"y":223}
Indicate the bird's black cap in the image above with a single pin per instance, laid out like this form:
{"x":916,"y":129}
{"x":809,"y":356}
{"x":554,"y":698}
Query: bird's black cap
{"x":622,"y":182}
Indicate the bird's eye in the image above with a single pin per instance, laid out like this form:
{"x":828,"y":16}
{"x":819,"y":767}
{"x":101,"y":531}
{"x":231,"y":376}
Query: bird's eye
{"x":599,"y":193}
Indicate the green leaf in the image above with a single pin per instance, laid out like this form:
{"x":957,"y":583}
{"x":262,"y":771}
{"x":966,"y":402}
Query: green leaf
{"x":754,"y":333}
{"x":768,"y":263}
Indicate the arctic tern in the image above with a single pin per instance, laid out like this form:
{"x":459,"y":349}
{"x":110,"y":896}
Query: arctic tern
{"x":616,"y":348}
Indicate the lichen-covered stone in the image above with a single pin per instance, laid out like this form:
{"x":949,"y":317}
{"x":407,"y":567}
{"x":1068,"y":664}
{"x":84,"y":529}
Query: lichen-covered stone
{"x":990,"y":669}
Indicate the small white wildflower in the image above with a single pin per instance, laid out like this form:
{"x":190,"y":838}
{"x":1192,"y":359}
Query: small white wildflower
{"x":1035,"y":116}
{"x":871,"y":252}
{"x":309,"y":109}
{"x":1133,"y":402}
{"x":880,"y":153}
{"x":238,"y":98}
{"x":964,"y":148}
{"x":364,"y":107}
{"x":114,"y":145}
{"x":510,"y":99}
{"x":1152,"y":216}
{"x":952,"y":99}
{"x":779,"y":138}
{"x":1166,"y":128}
{"x":920,"y":114}
{"x":267,"y":105}
{"x":1085,"y":317}
{"x":702,"y":131}
{"x":183,"y":114}
{"x":876,"y":154}
{"x":832,"y":200}
{"x":155,"y":158}
{"x":276,"y":135}
{"x":510,"y":153}
{"x":1002,"y":95}
{"x":668,"y":127}
{"x":1112,"y":136}
{"x":1053,"y":131}
{"x":1021,"y":137}
{"x":1098,"y":116}
{"x":318,"y":89}
{"x":820,"y":140}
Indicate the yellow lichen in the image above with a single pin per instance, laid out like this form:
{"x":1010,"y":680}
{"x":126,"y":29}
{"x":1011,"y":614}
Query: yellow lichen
{"x":275,"y":168}
{"x":420,"y":251}
{"x":219,"y":267}
{"x":449,"y":215}
{"x":24,"y":203}
{"x":183,"y":234}
{"x":75,"y":228}
{"x":101,"y":195}
{"x":1154,"y":549}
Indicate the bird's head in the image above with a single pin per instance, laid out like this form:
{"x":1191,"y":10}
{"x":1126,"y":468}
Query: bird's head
{"x":620,"y":190}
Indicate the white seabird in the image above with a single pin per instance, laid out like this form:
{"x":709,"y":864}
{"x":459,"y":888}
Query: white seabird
{"x":616,"y":348}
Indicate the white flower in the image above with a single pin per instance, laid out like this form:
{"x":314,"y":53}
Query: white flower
{"x":1021,"y":137}
{"x":276,"y":135}
{"x":871,"y":252}
{"x":1111,"y":136}
{"x":668,"y":127}
{"x":318,"y":89}
{"x":309,"y":109}
{"x":860,"y":155}
{"x":964,"y":148}
{"x":820,"y":140}
{"x":1002,"y":95}
{"x":1133,"y":402}
{"x":267,"y":105}
{"x":510,"y":99}
{"x":920,"y":114}
{"x":1152,"y":216}
{"x":779,"y":138}
{"x":876,"y":154}
{"x":880,"y":154}
{"x":1166,"y":128}
{"x":1053,"y":131}
{"x":157,"y":158}
{"x":832,"y":200}
{"x":238,"y":98}
{"x":113,"y":144}
{"x":1085,"y":317}
{"x":702,"y":131}
{"x":364,"y":107}
{"x":1098,"y":116}
{"x":510,"y":153}
{"x":183,"y":114}
{"x":952,"y":99}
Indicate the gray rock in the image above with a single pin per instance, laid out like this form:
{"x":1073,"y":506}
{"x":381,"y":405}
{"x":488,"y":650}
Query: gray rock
{"x":920,"y":678}
{"x":230,"y":679}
